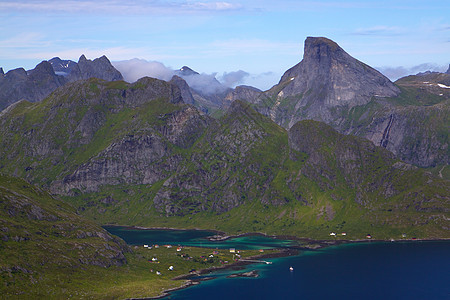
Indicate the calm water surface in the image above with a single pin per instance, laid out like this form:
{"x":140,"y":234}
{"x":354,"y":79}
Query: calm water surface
{"x":376,"y":270}
{"x":134,"y":236}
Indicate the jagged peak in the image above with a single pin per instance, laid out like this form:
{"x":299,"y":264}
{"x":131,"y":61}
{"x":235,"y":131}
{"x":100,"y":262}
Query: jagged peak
{"x":186,"y":71}
{"x":82,"y":58}
{"x":448,"y":70}
{"x":43,"y":66}
{"x":1,"y":71}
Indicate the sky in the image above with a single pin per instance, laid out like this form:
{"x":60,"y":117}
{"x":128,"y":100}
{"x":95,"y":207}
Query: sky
{"x":240,"y":42}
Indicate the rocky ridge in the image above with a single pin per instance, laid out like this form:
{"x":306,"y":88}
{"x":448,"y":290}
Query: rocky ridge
{"x":38,"y":83}
{"x":329,"y":85}
{"x":137,"y":148}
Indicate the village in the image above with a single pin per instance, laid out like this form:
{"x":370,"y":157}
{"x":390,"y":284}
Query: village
{"x":172,"y":261}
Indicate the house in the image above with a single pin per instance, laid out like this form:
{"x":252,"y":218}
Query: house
{"x":333,"y":233}
{"x":232,"y":250}
{"x":171,"y":268}
{"x":145,"y":246}
{"x":368,"y":236}
{"x":344,"y":233}
{"x":179,"y":249}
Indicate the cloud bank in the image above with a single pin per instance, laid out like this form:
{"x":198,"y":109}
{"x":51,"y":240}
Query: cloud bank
{"x":394,"y":73}
{"x":134,"y":69}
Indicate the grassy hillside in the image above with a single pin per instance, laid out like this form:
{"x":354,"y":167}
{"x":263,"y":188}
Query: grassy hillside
{"x":133,"y":154}
{"x":49,"y":252}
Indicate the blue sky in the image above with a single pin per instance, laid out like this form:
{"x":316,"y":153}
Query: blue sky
{"x":262,"y":38}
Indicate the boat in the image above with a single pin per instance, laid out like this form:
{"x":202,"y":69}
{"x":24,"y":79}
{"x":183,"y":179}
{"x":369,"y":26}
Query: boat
{"x":291,"y":268}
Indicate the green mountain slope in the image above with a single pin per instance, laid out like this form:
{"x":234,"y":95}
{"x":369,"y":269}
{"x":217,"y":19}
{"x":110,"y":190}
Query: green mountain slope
{"x":42,"y":240}
{"x":135,"y":154}
{"x":409,"y":118}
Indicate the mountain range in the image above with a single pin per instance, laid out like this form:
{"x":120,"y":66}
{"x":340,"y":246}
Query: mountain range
{"x":334,"y":147}
{"x":36,"y":84}
{"x":95,"y":134}
{"x":137,"y":154}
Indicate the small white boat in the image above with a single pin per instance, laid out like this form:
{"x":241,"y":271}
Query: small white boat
{"x":291,"y":269}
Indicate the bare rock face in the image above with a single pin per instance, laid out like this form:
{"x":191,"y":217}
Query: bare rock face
{"x":245,"y":93}
{"x":35,"y":85}
{"x":39,"y":82}
{"x":184,"y":88}
{"x":326,"y":78}
{"x":98,"y":68}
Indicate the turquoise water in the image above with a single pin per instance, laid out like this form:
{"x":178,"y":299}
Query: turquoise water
{"x":196,"y":238}
{"x":375,"y":270}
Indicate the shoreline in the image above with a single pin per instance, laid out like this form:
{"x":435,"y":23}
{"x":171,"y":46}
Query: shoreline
{"x":309,"y":245}
{"x":222,"y":236}
{"x":238,"y":265}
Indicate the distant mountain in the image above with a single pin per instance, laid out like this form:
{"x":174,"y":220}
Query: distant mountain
{"x":39,"y":82}
{"x":206,"y":92}
{"x":331,"y":86}
{"x":136,"y":154}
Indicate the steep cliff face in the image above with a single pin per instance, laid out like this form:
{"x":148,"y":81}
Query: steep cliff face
{"x":327,"y":78}
{"x":39,"y":82}
{"x":136,"y":154}
{"x":79,"y":121}
{"x":408,"y":118}
{"x":226,"y":167}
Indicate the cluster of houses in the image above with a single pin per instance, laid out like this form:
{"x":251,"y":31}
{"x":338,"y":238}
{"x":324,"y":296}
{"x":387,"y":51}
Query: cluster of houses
{"x":335,"y":234}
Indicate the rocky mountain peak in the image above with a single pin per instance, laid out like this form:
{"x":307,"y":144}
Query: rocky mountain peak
{"x":326,"y":78}
{"x":98,"y":68}
{"x":186,"y":71}
{"x":42,"y":68}
{"x":319,"y":47}
{"x":2,"y":72}
{"x":82,"y":58}
{"x":62,"y":67}
{"x":184,"y":89}
{"x":448,"y":70}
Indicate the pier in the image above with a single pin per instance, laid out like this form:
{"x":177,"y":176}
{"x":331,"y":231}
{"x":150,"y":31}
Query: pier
{"x":257,"y":261}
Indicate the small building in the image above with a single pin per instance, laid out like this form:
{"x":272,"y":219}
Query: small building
{"x":154,"y":259}
{"x":261,"y":250}
{"x":232,"y":250}
{"x":344,"y":233}
{"x":145,"y":246}
{"x":179,"y":249}
{"x":332,"y":233}
{"x":171,"y":268}
{"x":368,"y":236}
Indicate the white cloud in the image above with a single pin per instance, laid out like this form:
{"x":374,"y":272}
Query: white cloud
{"x":394,"y":73}
{"x":231,"y":79}
{"x":117,"y":7}
{"x":134,"y":69}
